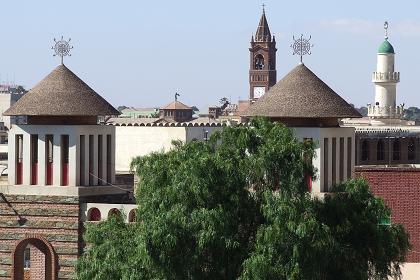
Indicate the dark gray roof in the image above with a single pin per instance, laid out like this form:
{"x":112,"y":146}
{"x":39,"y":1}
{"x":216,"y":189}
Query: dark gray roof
{"x":301,"y":94}
{"x":61,"y":93}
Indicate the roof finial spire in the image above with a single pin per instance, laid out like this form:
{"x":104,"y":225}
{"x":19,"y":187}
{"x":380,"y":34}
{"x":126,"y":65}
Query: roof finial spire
{"x":62,"y":48}
{"x":176,"y":96}
{"x":301,"y":47}
{"x":386,"y":30}
{"x":263,"y":5}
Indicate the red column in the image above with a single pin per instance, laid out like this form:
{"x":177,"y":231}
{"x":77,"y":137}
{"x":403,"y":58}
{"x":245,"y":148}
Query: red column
{"x":49,"y":180}
{"x":34,"y":174}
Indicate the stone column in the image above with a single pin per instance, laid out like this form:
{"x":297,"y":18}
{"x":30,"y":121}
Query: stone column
{"x":113,"y":156}
{"x":57,"y":160}
{"x":86,"y":160}
{"x":74,"y":167}
{"x":345,"y":158}
{"x":104,"y":171}
{"x":42,"y":160}
{"x":95,"y":160}
{"x":11,"y":159}
{"x":26,"y":159}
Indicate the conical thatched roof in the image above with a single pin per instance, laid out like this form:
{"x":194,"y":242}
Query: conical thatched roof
{"x":301,"y":94}
{"x":61,"y":93}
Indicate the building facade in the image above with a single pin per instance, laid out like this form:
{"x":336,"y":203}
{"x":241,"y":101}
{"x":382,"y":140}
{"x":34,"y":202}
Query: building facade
{"x":312,"y":109}
{"x":61,"y":171}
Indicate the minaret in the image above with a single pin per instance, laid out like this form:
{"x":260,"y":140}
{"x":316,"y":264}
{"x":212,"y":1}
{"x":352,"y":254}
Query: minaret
{"x":262,"y":68}
{"x":385,"y":79}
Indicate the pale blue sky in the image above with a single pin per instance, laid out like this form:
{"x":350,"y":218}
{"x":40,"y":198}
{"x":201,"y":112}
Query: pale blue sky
{"x":139,"y":53}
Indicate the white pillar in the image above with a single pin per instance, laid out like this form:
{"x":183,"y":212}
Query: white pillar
{"x":86,"y":157}
{"x":73,"y":159}
{"x":42,"y":160}
{"x":113,"y":156}
{"x":330,"y":163}
{"x":353,"y":149}
{"x":345,"y":159}
{"x":95,"y":160}
{"x":57,"y":160}
{"x":11,"y":159}
{"x":26,"y":159}
{"x":103,"y":181}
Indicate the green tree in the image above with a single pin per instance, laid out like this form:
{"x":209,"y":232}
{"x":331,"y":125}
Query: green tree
{"x":237,"y":206}
{"x":340,"y":237}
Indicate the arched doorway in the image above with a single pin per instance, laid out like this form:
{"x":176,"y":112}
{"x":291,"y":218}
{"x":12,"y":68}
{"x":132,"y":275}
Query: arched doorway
{"x":35,"y":257}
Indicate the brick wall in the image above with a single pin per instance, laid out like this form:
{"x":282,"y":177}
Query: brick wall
{"x":54,"y":218}
{"x":400,"y":188}
{"x":37,"y":270}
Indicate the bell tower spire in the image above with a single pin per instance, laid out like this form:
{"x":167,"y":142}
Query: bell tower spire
{"x":262,"y":68}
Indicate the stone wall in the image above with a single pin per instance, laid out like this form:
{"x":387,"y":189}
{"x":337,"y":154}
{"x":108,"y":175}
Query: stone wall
{"x":56,"y":219}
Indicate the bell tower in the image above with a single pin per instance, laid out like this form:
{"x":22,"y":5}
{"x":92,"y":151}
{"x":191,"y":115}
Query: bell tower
{"x":262,"y":66}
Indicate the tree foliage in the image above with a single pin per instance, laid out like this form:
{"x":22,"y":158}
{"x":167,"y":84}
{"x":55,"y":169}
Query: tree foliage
{"x":237,"y":207}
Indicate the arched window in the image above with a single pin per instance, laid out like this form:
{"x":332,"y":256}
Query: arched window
{"x":259,"y":62}
{"x":113,"y":211}
{"x":365,"y":150}
{"x":411,"y":149}
{"x":132,"y":216}
{"x":396,"y":148}
{"x":94,"y":214}
{"x":380,"y":150}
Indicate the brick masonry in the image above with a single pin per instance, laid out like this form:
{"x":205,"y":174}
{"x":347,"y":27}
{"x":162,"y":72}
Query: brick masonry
{"x":400,"y":188}
{"x":56,"y":219}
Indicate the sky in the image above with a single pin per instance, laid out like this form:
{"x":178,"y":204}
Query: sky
{"x":139,"y":53}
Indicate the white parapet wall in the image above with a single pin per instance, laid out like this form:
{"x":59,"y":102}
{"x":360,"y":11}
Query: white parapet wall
{"x":107,"y":209}
{"x":410,"y":271}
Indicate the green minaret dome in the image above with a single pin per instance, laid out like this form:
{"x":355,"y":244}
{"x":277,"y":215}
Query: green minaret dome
{"x":386,"y":47}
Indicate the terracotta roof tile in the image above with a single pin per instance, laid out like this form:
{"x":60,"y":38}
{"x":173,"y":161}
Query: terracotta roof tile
{"x":176,"y":105}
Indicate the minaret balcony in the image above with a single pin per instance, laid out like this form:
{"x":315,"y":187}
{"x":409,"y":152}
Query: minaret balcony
{"x":386,"y":77}
{"x":391,"y":112}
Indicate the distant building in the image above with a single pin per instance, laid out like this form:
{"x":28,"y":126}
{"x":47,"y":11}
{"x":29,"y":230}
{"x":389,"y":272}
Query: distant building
{"x":9,"y":94}
{"x":262,"y":68}
{"x":176,"y":112}
{"x":383,"y":137}
{"x":139,"y":113}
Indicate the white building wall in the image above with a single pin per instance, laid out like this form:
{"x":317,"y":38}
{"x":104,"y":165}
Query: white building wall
{"x":133,"y":141}
{"x":6,"y":101}
{"x":318,"y":135}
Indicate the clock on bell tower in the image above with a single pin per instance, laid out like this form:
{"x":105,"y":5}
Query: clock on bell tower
{"x":262,"y":70}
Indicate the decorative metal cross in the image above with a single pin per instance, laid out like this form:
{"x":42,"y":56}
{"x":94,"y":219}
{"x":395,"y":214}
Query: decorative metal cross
{"x":301,"y":47}
{"x":62,"y":48}
{"x":386,"y":29}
